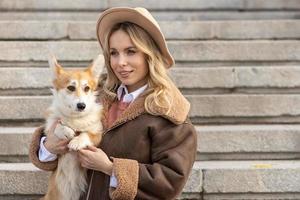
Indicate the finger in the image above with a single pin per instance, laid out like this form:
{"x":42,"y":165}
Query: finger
{"x":80,"y":158}
{"x":92,"y":148}
{"x":66,"y":148}
{"x":84,"y":160}
{"x":80,"y":154}
{"x":63,"y":149}
{"x":83,"y":152}
{"x":63,"y":142}
{"x":84,"y":165}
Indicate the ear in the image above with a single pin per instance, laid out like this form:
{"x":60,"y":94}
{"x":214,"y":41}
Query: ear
{"x":55,"y":68}
{"x":96,"y":68}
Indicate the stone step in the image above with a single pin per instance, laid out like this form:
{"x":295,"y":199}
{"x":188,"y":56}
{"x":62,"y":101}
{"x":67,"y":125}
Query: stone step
{"x":153,"y":4}
{"x":14,"y":143}
{"x":222,"y":142}
{"x":270,"y":77}
{"x":248,"y":142}
{"x":212,"y":106}
{"x":190,"y":30}
{"x":21,"y":181}
{"x":243,"y":105}
{"x":236,"y":77}
{"x":192,"y":51}
{"x":160,"y":15}
{"x":208,"y":180}
{"x":250,"y":179}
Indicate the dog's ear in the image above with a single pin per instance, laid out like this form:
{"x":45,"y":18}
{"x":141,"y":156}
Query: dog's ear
{"x":96,"y":68}
{"x":55,"y":68}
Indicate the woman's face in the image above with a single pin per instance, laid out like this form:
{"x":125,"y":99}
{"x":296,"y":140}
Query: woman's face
{"x":127,"y":62}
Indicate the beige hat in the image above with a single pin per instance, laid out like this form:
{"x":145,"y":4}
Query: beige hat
{"x":139,"y":16}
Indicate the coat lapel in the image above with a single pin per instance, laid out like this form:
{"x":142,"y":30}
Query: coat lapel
{"x":135,"y":109}
{"x":177,"y":114}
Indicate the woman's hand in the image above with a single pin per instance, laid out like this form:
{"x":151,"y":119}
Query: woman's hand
{"x":94,"y":158}
{"x":54,"y":144}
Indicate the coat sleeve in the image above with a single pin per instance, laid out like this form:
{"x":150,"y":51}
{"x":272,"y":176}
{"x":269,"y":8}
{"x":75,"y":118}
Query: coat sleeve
{"x":173,"y":153}
{"x":34,"y":149}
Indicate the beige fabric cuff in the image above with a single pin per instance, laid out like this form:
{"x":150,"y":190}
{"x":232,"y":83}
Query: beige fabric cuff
{"x":127,"y":174}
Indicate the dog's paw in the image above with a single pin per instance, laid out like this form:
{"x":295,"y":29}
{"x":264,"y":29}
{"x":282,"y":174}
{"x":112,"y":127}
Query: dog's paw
{"x":64,"y":132}
{"x":79,"y":143}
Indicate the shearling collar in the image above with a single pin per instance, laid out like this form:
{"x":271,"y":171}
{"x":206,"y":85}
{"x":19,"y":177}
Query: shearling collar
{"x":177,"y":115}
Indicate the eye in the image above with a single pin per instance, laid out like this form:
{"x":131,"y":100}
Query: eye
{"x":86,"y":88}
{"x":131,"y":52}
{"x":113,"y":53}
{"x":71,"y":88}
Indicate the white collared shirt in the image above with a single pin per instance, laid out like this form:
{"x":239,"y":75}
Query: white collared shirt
{"x":44,"y":154}
{"x":129,"y":97}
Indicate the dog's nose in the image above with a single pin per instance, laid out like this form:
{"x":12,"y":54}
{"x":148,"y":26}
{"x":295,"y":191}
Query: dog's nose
{"x":81,"y":106}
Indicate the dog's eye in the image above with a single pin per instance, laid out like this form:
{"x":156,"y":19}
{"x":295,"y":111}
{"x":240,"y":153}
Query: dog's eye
{"x":86,"y":88}
{"x":71,"y":88}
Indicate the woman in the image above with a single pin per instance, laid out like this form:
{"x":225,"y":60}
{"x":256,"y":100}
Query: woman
{"x":149,"y":144}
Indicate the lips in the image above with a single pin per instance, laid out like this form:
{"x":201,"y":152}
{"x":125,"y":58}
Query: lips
{"x":125,"y":74}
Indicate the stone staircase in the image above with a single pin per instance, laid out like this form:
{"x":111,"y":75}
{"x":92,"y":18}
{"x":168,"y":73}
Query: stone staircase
{"x":237,"y":62}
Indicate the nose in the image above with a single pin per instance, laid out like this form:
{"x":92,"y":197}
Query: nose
{"x":81,"y":106}
{"x":122,"y":60}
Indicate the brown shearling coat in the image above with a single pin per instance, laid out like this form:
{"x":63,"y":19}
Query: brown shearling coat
{"x":152,"y":155}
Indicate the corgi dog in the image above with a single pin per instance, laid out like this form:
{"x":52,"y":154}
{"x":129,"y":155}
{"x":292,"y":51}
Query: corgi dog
{"x":74,"y":106}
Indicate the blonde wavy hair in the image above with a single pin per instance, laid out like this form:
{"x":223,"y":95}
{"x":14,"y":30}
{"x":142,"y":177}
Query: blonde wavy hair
{"x":158,"y":95}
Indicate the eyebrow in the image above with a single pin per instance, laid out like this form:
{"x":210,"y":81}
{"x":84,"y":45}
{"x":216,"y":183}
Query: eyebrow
{"x":131,"y":47}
